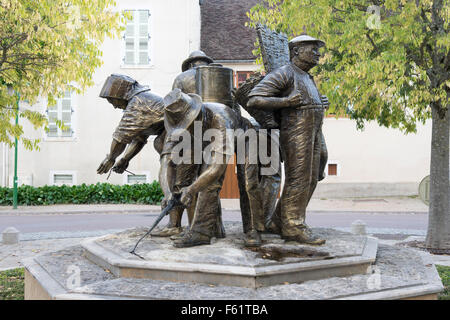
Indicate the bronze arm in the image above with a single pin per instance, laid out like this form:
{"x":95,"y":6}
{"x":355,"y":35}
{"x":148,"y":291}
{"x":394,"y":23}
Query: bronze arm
{"x":167,"y":173}
{"x":115,"y":150}
{"x":274,"y":103}
{"x":133,"y":149}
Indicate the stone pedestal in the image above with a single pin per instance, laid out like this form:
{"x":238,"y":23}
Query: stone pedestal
{"x":347,"y":267}
{"x":359,"y":227}
{"x":10,"y":236}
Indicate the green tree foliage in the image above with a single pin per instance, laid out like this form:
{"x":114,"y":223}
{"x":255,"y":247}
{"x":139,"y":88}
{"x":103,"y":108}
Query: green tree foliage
{"x":384,"y":60}
{"x":46,"y":48}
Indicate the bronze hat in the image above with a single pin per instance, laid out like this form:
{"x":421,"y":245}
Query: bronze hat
{"x":196,"y":55}
{"x":305,"y":38}
{"x":180,"y":109}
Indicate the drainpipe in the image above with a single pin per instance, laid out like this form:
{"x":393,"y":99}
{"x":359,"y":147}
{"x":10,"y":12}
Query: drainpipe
{"x":15,"y":156}
{"x":4,"y":159}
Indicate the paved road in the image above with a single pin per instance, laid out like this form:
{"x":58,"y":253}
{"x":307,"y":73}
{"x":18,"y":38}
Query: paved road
{"x":96,"y":222}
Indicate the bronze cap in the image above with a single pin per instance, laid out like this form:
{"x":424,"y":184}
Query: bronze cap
{"x":196,"y":55}
{"x":305,"y":38}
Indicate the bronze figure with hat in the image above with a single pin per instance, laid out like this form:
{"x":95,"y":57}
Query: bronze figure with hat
{"x":186,"y":80}
{"x":181,"y":110}
{"x":291,"y":91}
{"x":194,"y":60}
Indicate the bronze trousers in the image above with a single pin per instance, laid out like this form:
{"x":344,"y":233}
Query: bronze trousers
{"x":301,"y":144}
{"x":185,"y":176}
{"x":208,"y":210}
{"x":251,"y":196}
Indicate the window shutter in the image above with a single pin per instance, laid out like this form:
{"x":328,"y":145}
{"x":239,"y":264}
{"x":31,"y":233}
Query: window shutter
{"x":129,"y":40}
{"x":66,"y":114}
{"x":61,"y":111}
{"x":137,"y":38}
{"x":332,"y":169}
{"x":143,"y":37}
{"x":52,"y":112}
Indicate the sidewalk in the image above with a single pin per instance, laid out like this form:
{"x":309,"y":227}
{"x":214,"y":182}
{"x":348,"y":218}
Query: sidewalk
{"x":12,"y":255}
{"x":386,"y":204}
{"x":80,"y":208}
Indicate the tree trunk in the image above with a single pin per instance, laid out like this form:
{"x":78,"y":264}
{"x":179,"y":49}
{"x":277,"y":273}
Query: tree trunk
{"x":438,"y":235}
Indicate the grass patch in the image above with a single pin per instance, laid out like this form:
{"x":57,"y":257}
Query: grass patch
{"x":12,"y":284}
{"x":444,"y":273}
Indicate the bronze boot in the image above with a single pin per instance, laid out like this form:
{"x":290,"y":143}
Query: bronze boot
{"x":174,"y":225}
{"x":252,"y":238}
{"x":192,"y":239}
{"x":304,"y":236}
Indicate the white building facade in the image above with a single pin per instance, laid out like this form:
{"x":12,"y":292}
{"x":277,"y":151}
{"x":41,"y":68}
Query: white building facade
{"x":373,"y":162}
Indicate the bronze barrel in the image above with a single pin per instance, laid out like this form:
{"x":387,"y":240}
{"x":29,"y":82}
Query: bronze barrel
{"x":214,"y":84}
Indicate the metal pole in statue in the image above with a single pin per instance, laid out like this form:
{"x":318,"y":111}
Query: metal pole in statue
{"x":15,"y":155}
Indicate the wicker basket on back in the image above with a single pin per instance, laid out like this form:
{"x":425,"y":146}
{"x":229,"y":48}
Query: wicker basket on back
{"x":275,"y":53}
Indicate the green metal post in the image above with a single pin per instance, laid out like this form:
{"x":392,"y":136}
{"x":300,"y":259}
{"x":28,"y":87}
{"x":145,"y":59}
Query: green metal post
{"x":15,"y":156}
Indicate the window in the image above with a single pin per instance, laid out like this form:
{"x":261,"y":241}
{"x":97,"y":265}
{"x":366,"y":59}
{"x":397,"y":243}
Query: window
{"x":137,"y":38}
{"x":63,"y":179}
{"x":241,"y":76}
{"x":61,"y":111}
{"x":135,"y":179}
{"x":59,"y":178}
{"x":332,"y":169}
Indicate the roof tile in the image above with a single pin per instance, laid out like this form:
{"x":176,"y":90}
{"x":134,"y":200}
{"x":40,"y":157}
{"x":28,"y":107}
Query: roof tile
{"x":224,"y":35}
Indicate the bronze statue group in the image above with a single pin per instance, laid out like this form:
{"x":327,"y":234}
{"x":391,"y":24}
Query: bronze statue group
{"x":203,"y":94}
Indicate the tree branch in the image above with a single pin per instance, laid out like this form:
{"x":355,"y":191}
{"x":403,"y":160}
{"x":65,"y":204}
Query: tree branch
{"x":375,"y":47}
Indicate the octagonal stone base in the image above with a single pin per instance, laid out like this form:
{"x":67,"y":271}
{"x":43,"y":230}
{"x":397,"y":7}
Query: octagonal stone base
{"x":228,"y":262}
{"x":347,"y":267}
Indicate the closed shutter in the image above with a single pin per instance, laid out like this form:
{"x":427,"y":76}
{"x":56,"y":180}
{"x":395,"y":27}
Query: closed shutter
{"x":332,"y":169}
{"x":52,"y":112}
{"x":66,"y":114}
{"x":61,"y":111}
{"x":137,"y":38}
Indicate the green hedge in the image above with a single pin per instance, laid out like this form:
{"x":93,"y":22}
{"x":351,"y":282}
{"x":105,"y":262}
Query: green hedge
{"x":84,"y":194}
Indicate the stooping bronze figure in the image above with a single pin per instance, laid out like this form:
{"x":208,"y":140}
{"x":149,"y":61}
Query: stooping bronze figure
{"x":213,"y":83}
{"x":181,"y":111}
{"x":185,"y":173}
{"x":143,"y":115}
